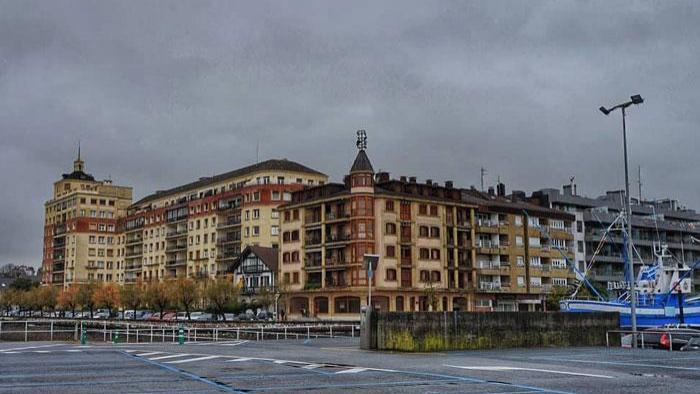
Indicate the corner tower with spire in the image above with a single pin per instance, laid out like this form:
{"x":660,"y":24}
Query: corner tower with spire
{"x":361,"y":172}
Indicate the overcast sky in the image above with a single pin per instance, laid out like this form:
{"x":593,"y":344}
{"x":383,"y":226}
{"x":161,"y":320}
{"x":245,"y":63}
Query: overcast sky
{"x":161,"y":93}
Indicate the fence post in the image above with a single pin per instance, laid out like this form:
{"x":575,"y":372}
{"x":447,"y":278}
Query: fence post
{"x":195,"y":334}
{"x":137,"y":335}
{"x":162,"y":337}
{"x":262,"y":334}
{"x":151,"y":334}
{"x":607,"y":339}
{"x":51,"y":335}
{"x":308,"y":332}
{"x":0,"y":328}
{"x":75,"y":331}
{"x":352,"y":330}
{"x":285,"y":332}
{"x":104,"y":332}
{"x":331,"y":331}
{"x":26,"y":327}
{"x":127,"y":332}
{"x":642,"y":333}
{"x":670,"y":340}
{"x":238,"y":333}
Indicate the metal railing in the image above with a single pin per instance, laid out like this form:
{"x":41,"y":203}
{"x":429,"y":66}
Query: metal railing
{"x":653,"y":338}
{"x":65,"y":330}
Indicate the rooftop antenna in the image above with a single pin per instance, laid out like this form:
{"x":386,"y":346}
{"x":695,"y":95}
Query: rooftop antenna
{"x":78,"y":149}
{"x":483,"y":173}
{"x":361,"y":139}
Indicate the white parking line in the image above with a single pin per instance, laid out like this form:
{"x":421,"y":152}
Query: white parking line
{"x":189,"y":360}
{"x":352,"y":370}
{"x":239,"y":359}
{"x":169,"y":356}
{"x":29,"y":347}
{"x":149,"y":354}
{"x":500,"y":368}
{"x":312,"y":366}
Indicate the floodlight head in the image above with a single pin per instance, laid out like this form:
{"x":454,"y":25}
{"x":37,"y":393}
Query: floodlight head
{"x":603,"y":110}
{"x":637,"y":99}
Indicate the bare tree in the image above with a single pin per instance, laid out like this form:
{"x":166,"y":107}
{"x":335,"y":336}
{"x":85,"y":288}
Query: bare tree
{"x":220,"y":294}
{"x":131,"y":296}
{"x":158,"y":296}
{"x":185,"y":292}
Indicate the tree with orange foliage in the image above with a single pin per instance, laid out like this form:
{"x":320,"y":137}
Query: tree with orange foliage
{"x":68,"y":299}
{"x":106,"y":296}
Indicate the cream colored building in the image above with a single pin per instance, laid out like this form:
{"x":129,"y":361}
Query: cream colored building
{"x":198,"y":229}
{"x":81,"y":232}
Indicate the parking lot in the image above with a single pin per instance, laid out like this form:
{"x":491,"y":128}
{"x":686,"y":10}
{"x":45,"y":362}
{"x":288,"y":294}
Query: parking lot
{"x":337,"y":364}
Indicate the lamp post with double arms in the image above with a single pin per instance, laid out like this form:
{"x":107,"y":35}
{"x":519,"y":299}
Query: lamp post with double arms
{"x":636,"y":99}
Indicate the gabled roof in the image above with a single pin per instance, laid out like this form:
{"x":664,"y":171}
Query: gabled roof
{"x":362,"y":163}
{"x":268,"y":165}
{"x":268,"y":256}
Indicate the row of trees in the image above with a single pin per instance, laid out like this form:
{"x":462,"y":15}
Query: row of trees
{"x":216,"y":295}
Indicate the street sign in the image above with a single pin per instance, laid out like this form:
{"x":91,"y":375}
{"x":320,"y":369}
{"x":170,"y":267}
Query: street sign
{"x":370,"y":262}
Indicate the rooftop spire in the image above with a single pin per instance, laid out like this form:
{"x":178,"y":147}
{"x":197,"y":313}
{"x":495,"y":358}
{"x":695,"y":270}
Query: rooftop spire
{"x":78,"y":164}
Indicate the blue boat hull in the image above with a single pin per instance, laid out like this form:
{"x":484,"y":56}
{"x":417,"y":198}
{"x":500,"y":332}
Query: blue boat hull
{"x":647,"y":316}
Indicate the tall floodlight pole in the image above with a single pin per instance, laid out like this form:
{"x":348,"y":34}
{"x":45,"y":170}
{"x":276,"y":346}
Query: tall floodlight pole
{"x":636,"y":99}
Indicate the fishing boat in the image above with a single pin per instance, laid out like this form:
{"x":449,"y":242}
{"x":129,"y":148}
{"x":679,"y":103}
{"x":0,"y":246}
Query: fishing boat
{"x":663,"y":291}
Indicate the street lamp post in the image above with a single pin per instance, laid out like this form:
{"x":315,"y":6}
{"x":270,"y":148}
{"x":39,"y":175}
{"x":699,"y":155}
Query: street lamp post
{"x":636,"y":99}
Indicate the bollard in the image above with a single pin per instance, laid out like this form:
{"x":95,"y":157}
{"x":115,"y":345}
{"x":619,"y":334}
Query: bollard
{"x":83,"y":334}
{"x":115,"y":339}
{"x":181,"y":335}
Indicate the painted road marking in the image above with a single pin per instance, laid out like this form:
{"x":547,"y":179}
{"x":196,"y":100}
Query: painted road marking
{"x":29,"y":347}
{"x":192,"y":359}
{"x":352,"y":370}
{"x":239,"y":359}
{"x":312,"y":366}
{"x":499,"y":368}
{"x":148,"y":354}
{"x":169,"y":356}
{"x":632,"y":364}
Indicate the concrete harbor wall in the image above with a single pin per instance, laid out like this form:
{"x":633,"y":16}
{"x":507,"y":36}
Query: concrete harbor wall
{"x":438,"y":331}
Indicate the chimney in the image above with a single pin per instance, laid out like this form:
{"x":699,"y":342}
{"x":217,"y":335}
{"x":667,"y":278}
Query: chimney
{"x":403,"y":179}
{"x":501,"y":189}
{"x":449,"y":184}
{"x":491,"y":191}
{"x":429,"y":182}
{"x":412,"y":179}
{"x":518,"y":195}
{"x":567,"y":190}
{"x":382,"y":177}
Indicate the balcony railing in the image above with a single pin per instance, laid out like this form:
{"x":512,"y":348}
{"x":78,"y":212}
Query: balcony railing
{"x":229,"y":223}
{"x":489,"y":286}
{"x":337,"y":238}
{"x":175,"y":262}
{"x":337,"y":216}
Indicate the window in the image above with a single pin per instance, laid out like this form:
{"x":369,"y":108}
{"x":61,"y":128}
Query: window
{"x":435,"y":232}
{"x":559,"y":281}
{"x":535,"y":281}
{"x":422,"y":209}
{"x":389,"y":206}
{"x":535,"y":261}
{"x":280,"y":180}
{"x":390,"y":251}
{"x":518,"y":240}
{"x":287,"y":216}
{"x":433,"y":210}
{"x":295,"y":278}
{"x":256,"y":214}
{"x":256,"y":231}
{"x":424,"y":253}
{"x":274,"y":214}
{"x":423,"y":231}
{"x":275,"y":195}
{"x":579,"y":226}
{"x":295,"y":256}
{"x":579,"y":245}
{"x":424,"y":276}
{"x":518,"y":220}
{"x":521,"y":281}
{"x":274,"y":230}
{"x":286,"y":277}
{"x":520,"y":261}
{"x":435,"y":276}
{"x":391,"y":274}
{"x":435,"y":254}
{"x":399,"y":304}
{"x":347,"y":305}
{"x":391,"y":229}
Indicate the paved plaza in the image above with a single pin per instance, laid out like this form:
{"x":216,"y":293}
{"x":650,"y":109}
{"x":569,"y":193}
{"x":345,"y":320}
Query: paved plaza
{"x":333,"y":365}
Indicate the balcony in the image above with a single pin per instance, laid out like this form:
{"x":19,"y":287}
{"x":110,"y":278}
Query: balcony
{"x":330,"y":216}
{"x":56,"y":268}
{"x":175,"y":248}
{"x":176,"y":234}
{"x":133,"y":267}
{"x":59,"y":230}
{"x":229,"y":223}
{"x":331,"y":238}
{"x":315,"y":242}
{"x":133,"y":253}
{"x":133,"y":241}
{"x":227,"y":241}
{"x":176,"y":262}
{"x":490,"y":286}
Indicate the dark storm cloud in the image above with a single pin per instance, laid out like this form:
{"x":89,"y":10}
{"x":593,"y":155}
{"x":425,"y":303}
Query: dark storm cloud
{"x":161,"y":93}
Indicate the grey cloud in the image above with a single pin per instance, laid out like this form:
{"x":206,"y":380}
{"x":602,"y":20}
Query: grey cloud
{"x":161,"y":93}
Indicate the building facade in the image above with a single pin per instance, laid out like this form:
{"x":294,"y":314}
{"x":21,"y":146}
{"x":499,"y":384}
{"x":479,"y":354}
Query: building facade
{"x":197,"y":230}
{"x":255,"y":273}
{"x":440,"y":247}
{"x":653,"y":222}
{"x":81,"y":229}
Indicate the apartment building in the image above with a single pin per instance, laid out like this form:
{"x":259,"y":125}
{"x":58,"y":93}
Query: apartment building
{"x":521,"y":251}
{"x":198,"y":229}
{"x":440,"y":247}
{"x":81,"y":232}
{"x":656,"y":221}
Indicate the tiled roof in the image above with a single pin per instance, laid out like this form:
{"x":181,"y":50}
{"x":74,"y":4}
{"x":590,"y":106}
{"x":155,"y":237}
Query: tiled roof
{"x":362,"y":163}
{"x":268,"y":165}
